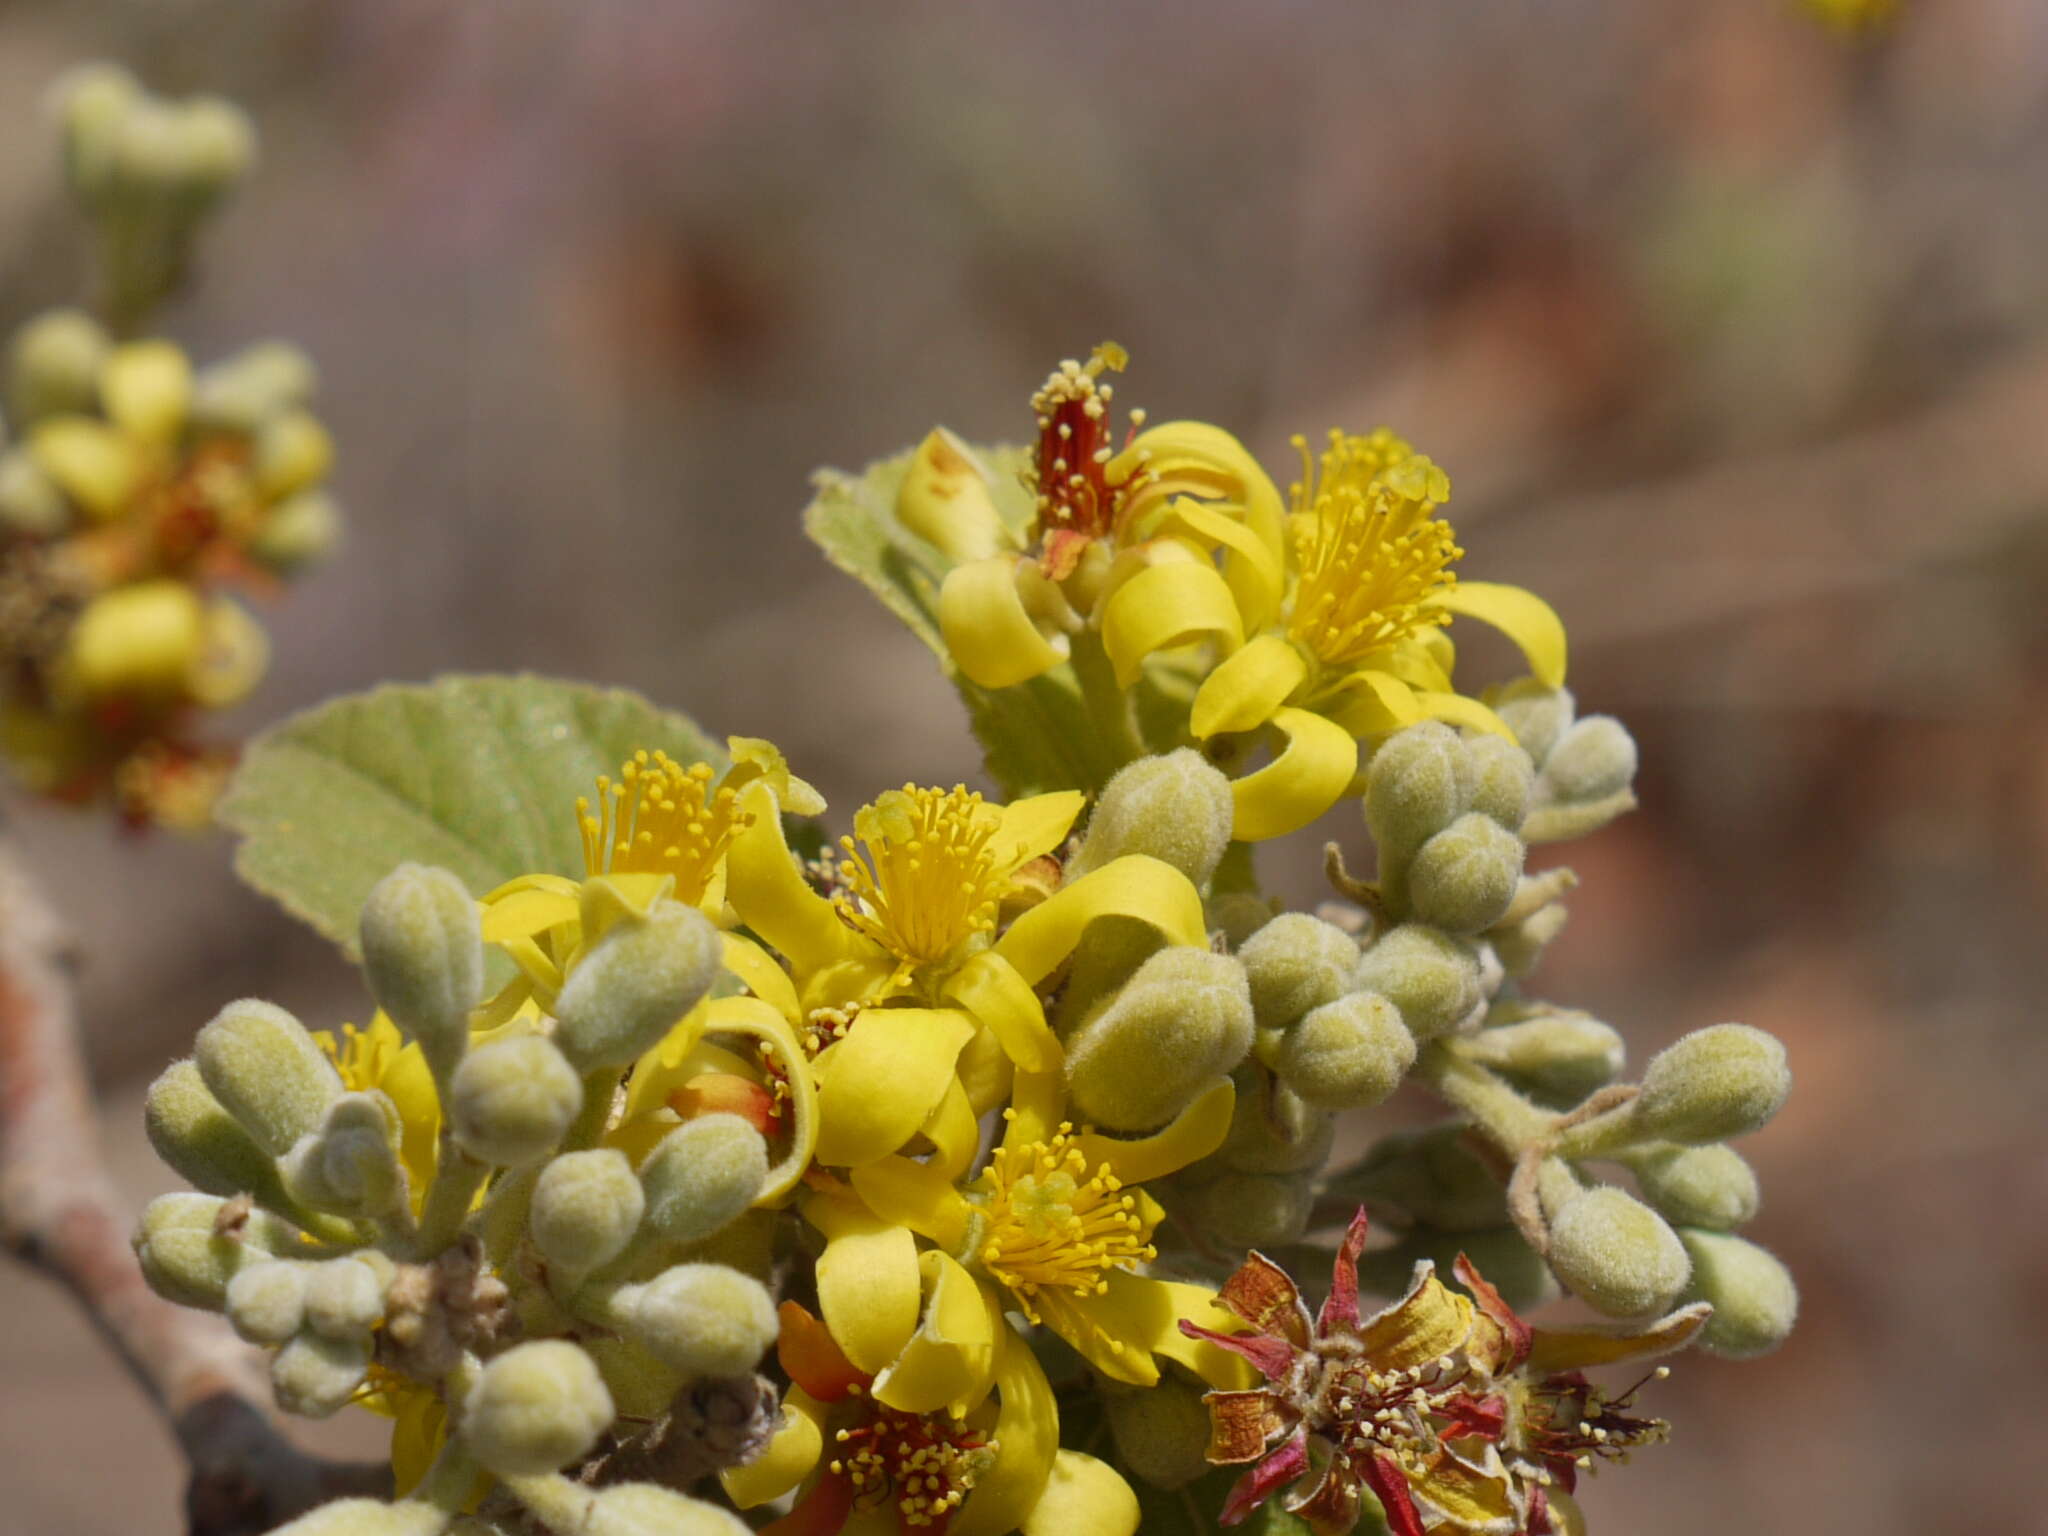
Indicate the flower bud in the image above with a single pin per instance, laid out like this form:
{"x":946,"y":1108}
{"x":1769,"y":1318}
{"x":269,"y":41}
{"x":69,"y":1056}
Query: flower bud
{"x":267,"y":1072}
{"x":945,"y":500}
{"x":266,"y":1302}
{"x":1502,"y":778}
{"x":1184,"y":1018}
{"x":239,"y":393}
{"x":1537,"y":715}
{"x":54,"y":366}
{"x":1707,"y":1186}
{"x":641,"y":1386}
{"x":148,"y":639}
{"x":703,"y":1319}
{"x":1755,"y":1302}
{"x":423,"y":953}
{"x":204,"y":1143}
{"x":1464,"y":877}
{"x":702,"y":1175}
{"x":586,"y":1208}
{"x":536,"y":1408}
{"x":299,"y":533}
{"x":512,"y":1100}
{"x":190,"y":1246}
{"x":1435,"y":1176}
{"x":90,"y":103}
{"x":1593,"y":761}
{"x":344,"y":1299}
{"x":1414,"y":788}
{"x":1237,"y":915}
{"x":146,"y":154}
{"x":1347,"y":1054}
{"x":350,"y":1165}
{"x":1520,"y":946}
{"x":649,"y":1509}
{"x":314,"y":1376}
{"x":634,"y":984}
{"x":1559,"y":1056}
{"x":1250,"y":1210}
{"x":217,"y":146}
{"x":1177,"y":808}
{"x":1295,"y":963}
{"x":1616,"y":1253}
{"x":293,"y":452}
{"x":1430,"y":976}
{"x":1272,"y":1130}
{"x":1161,"y":1432}
{"x":1725,"y":1080}
{"x":30,"y":503}
{"x":368,"y":1517}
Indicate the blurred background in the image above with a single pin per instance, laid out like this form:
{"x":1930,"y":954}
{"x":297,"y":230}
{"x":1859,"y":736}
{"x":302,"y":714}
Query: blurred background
{"x":1732,"y":332}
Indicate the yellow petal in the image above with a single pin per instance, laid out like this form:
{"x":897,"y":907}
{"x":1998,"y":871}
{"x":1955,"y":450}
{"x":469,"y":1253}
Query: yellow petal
{"x":232,"y":658}
{"x":1368,"y":701}
{"x":750,"y":1016}
{"x":1035,"y":825}
{"x":763,"y":976}
{"x":1164,"y":605}
{"x":869,"y":1288}
{"x":1244,"y":691}
{"x":954,"y":1132}
{"x":1194,"y":458}
{"x":527,"y":913}
{"x":146,"y":388}
{"x":944,"y":499}
{"x":1135,"y":885}
{"x":755,"y":757}
{"x":989,"y":987}
{"x":907,"y":1193}
{"x":786,"y":1460}
{"x":1554,"y":1350}
{"x":1305,"y":780}
{"x":882,"y":1080}
{"x":1083,"y":1497}
{"x":768,"y":891}
{"x":1456,"y":709}
{"x":1027,"y":1436}
{"x":991,"y":635}
{"x":1192,"y":1135}
{"x":1466,"y":1498}
{"x":951,"y":1357}
{"x":144,"y":639}
{"x":91,"y":462}
{"x":1036,"y":1104}
{"x":1143,"y":1315}
{"x":1254,"y":572}
{"x":1431,"y":1321}
{"x":1520,"y":615}
{"x":1198,"y":1304}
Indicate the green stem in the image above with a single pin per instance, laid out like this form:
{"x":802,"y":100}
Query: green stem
{"x":448,"y":1482}
{"x":457,"y":1178}
{"x":1109,"y":706}
{"x":1511,"y":1120}
{"x":599,"y":1089}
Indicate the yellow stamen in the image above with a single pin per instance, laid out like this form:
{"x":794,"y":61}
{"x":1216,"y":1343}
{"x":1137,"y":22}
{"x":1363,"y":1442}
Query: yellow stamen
{"x":660,"y":818}
{"x":1370,"y":546}
{"x":927,"y":880}
{"x":928,"y":1464}
{"x":1053,"y":1222}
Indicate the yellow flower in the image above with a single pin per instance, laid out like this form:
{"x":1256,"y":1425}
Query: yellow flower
{"x":1056,"y":1227}
{"x":1854,"y":15}
{"x":1361,"y":651}
{"x":380,"y":1058}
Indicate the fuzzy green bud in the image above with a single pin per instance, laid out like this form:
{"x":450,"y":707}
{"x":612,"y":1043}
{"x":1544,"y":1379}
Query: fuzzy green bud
{"x":536,"y":1408}
{"x":266,"y":1302}
{"x":1177,"y":808}
{"x":1183,"y":1019}
{"x":266,"y":1071}
{"x":702,"y":1175}
{"x":293,"y":452}
{"x":54,"y":366}
{"x":1414,"y":789}
{"x":1502,"y":779}
{"x":30,"y":503}
{"x":1721,"y":1081}
{"x":649,"y":1509}
{"x":1161,"y":1432}
{"x":635,"y":983}
{"x":1435,"y":1176}
{"x":1271,"y":1129}
{"x":1251,"y":1210}
{"x":1593,"y":761}
{"x":586,"y":1207}
{"x":1464,"y":877}
{"x":1708,"y":1186}
{"x":1520,"y":946}
{"x":191,"y":1246}
{"x":1347,"y":1054}
{"x":239,"y":393}
{"x":368,"y":1517}
{"x":511,"y":1101}
{"x":703,"y":1319}
{"x":350,"y":1166}
{"x":1295,"y":963}
{"x":217,"y":146}
{"x":423,"y":952}
{"x":1237,"y":915}
{"x":642,"y":1387}
{"x":1616,"y":1253}
{"x":299,"y":533}
{"x":1561,"y":1056}
{"x":1537,"y":715}
{"x":1431,"y":977}
{"x":314,"y":1376}
{"x":344,"y":1299}
{"x":1755,"y":1302}
{"x":90,"y":103}
{"x":204,"y":1143}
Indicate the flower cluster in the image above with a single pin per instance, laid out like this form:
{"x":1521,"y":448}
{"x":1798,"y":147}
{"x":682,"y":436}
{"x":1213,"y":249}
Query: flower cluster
{"x":901,"y":1187}
{"x":139,"y":491}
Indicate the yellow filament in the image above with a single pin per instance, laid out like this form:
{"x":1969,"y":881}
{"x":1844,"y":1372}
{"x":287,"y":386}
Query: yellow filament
{"x":1054,"y":1222}
{"x":927,"y":879}
{"x":660,"y":818}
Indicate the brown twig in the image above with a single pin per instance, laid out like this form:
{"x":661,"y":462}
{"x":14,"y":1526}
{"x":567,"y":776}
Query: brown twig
{"x":59,"y":1212}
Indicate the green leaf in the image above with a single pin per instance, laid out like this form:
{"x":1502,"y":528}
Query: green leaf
{"x":479,"y":775}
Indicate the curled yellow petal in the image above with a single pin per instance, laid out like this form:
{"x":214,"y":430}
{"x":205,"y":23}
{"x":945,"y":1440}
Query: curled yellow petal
{"x":907,"y":1193}
{"x":1197,"y":1303}
{"x":883,"y":1079}
{"x":1428,"y":1323}
{"x":869,"y":1289}
{"x":1193,"y":458}
{"x":1035,"y":825}
{"x":1456,"y":709}
{"x":146,"y":388}
{"x":1244,"y":691}
{"x":990,"y":633}
{"x":1253,"y":571}
{"x":989,"y":987}
{"x":1192,"y":1135}
{"x":1027,"y":1437}
{"x":944,"y":499}
{"x":752,"y":1017}
{"x":527,"y":912}
{"x":1135,"y":885}
{"x":792,"y":1451}
{"x":1036,"y":1103}
{"x":1083,"y":1497}
{"x":950,"y":1358}
{"x":954,"y":1131}
{"x":1172,"y":603}
{"x":1308,"y":777}
{"x":768,"y":891}
{"x":1368,"y":701}
{"x":763,"y":976}
{"x":91,"y":462}
{"x":1520,"y":615}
